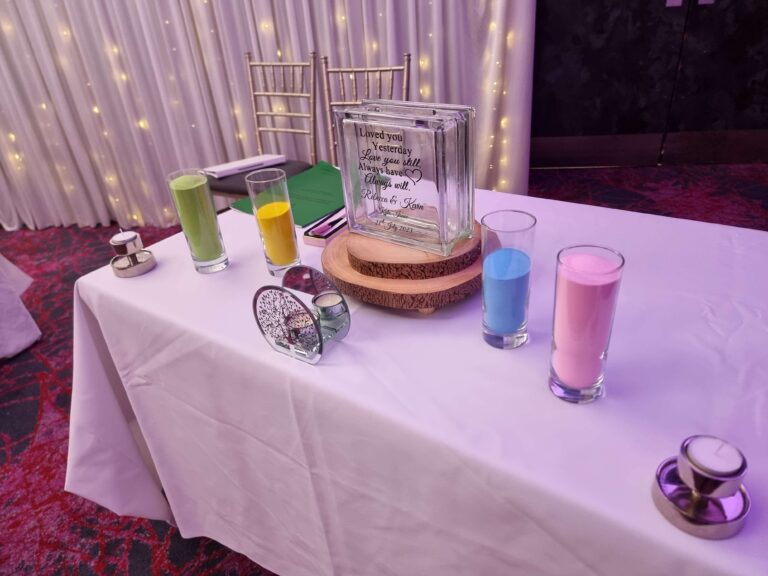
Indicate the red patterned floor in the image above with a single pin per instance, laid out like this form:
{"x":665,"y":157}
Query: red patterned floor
{"x":735,"y":194}
{"x":47,"y":531}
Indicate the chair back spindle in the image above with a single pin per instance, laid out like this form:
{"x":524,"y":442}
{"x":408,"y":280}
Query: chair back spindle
{"x":275,"y":97}
{"x":336,"y":80}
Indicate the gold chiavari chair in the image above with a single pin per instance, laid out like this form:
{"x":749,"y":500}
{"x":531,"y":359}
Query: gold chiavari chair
{"x":359,"y":84}
{"x":277,"y":89}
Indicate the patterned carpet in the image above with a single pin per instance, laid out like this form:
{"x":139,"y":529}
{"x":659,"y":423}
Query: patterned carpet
{"x":47,"y":531}
{"x":735,"y":194}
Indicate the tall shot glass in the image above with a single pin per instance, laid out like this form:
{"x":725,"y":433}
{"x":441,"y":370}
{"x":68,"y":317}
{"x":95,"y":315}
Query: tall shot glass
{"x":586,"y":291}
{"x":507,"y":244}
{"x":268,"y":190}
{"x":197,"y":214}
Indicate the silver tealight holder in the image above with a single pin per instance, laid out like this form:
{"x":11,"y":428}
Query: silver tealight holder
{"x":131,"y":259}
{"x":304,"y":316}
{"x":701,"y":490}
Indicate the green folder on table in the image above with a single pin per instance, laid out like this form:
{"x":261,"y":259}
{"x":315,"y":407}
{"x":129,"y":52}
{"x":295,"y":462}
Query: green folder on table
{"x":314,"y":193}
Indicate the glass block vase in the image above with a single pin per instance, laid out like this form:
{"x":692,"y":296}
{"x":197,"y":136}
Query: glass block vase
{"x":407,"y":172}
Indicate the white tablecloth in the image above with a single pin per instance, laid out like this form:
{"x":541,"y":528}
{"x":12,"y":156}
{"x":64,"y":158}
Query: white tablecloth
{"x":18,"y":330}
{"x":413,"y":447}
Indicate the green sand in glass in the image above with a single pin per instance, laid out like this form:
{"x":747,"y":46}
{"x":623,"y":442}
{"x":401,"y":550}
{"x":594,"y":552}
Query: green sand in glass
{"x":197,"y":216}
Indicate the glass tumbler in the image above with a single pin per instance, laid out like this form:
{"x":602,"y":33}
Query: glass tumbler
{"x":586,"y":291}
{"x":268,"y":190}
{"x":197,"y":214}
{"x":507,"y":244}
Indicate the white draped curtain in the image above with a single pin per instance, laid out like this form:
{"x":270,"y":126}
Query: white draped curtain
{"x":100,"y":99}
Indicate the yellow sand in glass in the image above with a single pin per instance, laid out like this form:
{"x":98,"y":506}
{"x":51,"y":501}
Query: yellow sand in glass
{"x":277,"y":233}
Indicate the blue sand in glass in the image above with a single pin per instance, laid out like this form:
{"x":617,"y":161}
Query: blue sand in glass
{"x":505,"y":289}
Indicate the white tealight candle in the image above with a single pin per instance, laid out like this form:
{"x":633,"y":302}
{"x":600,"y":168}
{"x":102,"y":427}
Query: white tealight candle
{"x":714,"y":454}
{"x":123,"y":237}
{"x":328,"y":300}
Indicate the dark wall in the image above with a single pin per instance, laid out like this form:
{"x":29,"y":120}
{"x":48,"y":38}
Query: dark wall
{"x":603,"y":67}
{"x":723,"y":82}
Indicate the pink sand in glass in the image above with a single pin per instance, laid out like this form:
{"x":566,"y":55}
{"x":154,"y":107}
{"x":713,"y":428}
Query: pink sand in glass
{"x":585,"y":300}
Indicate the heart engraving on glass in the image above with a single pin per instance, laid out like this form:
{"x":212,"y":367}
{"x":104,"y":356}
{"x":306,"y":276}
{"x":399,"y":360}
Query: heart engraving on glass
{"x":413,"y":174}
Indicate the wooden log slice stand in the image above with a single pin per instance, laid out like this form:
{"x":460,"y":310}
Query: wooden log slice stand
{"x":385,"y":274}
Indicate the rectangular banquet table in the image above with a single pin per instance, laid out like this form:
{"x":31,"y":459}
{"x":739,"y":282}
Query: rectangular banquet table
{"x":413,"y":447}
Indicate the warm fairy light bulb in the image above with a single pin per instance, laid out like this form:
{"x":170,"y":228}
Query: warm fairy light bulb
{"x":7,"y":27}
{"x":430,"y":34}
{"x":510,"y":38}
{"x":143,"y":124}
{"x":66,"y":33}
{"x":492,"y":26}
{"x":279,"y":53}
{"x":424,"y":62}
{"x":167,"y":22}
{"x":266,"y":25}
{"x":503,"y":160}
{"x":44,"y":106}
{"x":124,"y":77}
{"x":17,"y":156}
{"x":105,"y":133}
{"x":504,"y":141}
{"x":504,"y":122}
{"x":502,"y":183}
{"x":95,"y":109}
{"x":374,"y":45}
{"x":425,"y":91}
{"x":115,"y":49}
{"x":241,"y":135}
{"x":11,"y":136}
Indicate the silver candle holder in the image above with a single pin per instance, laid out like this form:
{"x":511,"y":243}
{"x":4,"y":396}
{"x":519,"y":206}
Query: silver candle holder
{"x":701,"y":490}
{"x":131,"y":259}
{"x":304,"y":316}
